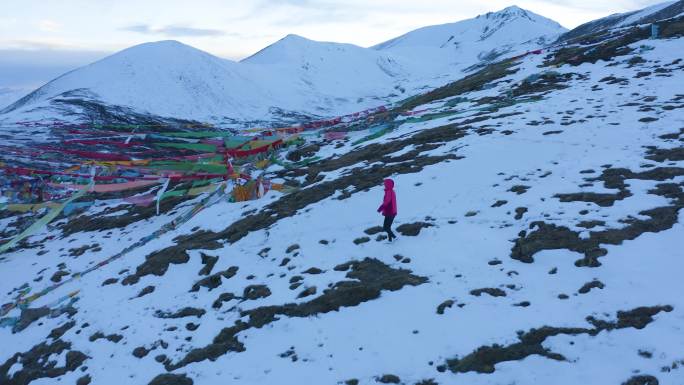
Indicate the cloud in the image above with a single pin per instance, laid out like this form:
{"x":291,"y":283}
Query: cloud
{"x":49,"y":25}
{"x":174,"y":30}
{"x":43,"y":44}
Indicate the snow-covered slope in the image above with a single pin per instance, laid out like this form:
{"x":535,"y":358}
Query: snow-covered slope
{"x":448,"y":48}
{"x":540,"y":242}
{"x":650,"y":14}
{"x":11,"y":95}
{"x":344,"y":72}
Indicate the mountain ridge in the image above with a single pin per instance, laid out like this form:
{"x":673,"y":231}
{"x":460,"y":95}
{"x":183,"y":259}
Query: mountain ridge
{"x":294,"y":75}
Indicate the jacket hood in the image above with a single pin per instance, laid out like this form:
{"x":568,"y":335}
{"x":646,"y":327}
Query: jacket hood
{"x":389,"y":184}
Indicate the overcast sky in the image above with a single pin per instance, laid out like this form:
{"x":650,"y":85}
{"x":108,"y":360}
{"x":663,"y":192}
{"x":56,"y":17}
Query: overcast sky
{"x":40,"y":39}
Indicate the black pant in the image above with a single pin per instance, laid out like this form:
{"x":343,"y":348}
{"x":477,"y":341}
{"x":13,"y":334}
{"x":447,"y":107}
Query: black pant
{"x":387,"y":226}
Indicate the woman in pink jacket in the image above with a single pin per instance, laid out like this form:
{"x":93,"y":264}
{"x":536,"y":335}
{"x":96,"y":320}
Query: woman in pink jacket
{"x":388,"y":208}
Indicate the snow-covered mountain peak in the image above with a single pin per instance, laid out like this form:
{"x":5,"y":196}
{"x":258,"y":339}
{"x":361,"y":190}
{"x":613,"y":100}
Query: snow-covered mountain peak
{"x":297,"y":48}
{"x":517,"y":18}
{"x":508,"y":12}
{"x":295,"y":74}
{"x":163,"y":49}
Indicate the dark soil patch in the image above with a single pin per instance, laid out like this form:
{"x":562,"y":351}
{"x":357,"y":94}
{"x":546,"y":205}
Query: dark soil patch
{"x":595,"y":284}
{"x":307,"y":292}
{"x":31,"y":315}
{"x":412,"y":229}
{"x":368,"y":278}
{"x":111,"y":337}
{"x":361,"y":240}
{"x":553,"y":237}
{"x":303,"y":152}
{"x":213,"y":281}
{"x":499,"y":203}
{"x":591,"y":224}
{"x":209,"y":262}
{"x":59,"y":331}
{"x":145,"y":291}
{"x":102,"y":221}
{"x":158,"y":262}
{"x":171,"y":379}
{"x":546,"y":82}
{"x":57,"y":277}
{"x":388,"y":379}
{"x":254,"y":292}
{"x":35,"y":363}
{"x":373,"y":230}
{"x":605,"y":46}
{"x":519,"y":212}
{"x":601,"y":199}
{"x":485,"y":358}
{"x":78,"y":251}
{"x":642,"y":380}
{"x":224,"y":297}
{"x":665,"y":154}
{"x":470,"y":83}
{"x":519,"y":189}
{"x":494,"y":292}
{"x":444,"y":305}
{"x":184,"y":312}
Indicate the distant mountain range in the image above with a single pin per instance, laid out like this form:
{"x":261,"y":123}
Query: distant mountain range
{"x":290,"y":78}
{"x":295,"y":78}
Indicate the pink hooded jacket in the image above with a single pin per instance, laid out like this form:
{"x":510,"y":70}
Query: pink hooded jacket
{"x":389,"y":203}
